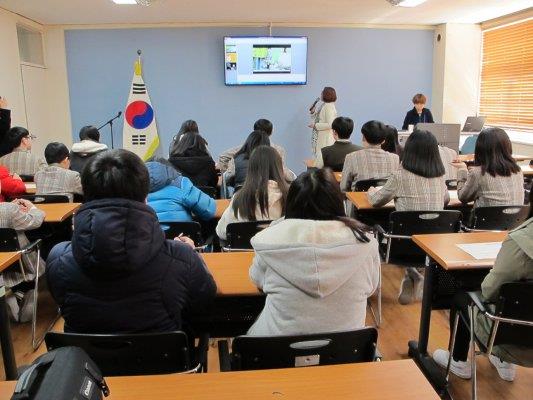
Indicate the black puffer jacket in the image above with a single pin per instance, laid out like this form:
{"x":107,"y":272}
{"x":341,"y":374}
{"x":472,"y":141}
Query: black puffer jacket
{"x":120,"y":275}
{"x":197,"y":166}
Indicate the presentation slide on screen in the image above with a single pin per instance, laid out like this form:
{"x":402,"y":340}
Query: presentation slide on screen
{"x":265,"y":60}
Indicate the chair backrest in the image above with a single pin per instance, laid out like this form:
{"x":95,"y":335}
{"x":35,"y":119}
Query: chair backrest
{"x":45,"y":198}
{"x":264,"y":352}
{"x":208,"y":190}
{"x":515,"y":302}
{"x":9,"y":240}
{"x":364,"y":184}
{"x":239,"y":233}
{"x":130,"y":354}
{"x":501,"y":218}
{"x":408,"y":223}
{"x":191,"y":229}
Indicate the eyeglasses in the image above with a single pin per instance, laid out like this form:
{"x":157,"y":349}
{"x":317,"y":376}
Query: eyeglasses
{"x":31,"y":137}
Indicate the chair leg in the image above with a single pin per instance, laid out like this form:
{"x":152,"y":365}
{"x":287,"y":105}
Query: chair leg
{"x":473,"y":350}
{"x":452,"y":345}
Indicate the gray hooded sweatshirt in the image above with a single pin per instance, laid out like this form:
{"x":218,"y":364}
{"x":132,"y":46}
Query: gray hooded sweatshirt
{"x":316,"y":276}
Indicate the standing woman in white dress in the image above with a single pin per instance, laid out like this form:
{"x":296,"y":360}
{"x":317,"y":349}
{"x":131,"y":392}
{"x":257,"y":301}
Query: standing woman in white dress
{"x":323,"y":116}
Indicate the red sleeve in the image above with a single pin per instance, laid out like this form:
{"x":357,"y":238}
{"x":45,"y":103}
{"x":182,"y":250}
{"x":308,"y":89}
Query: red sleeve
{"x":10,"y":186}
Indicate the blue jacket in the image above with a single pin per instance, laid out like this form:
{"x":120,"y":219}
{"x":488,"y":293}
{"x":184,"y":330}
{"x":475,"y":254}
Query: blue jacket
{"x":174,"y":198}
{"x":120,"y":275}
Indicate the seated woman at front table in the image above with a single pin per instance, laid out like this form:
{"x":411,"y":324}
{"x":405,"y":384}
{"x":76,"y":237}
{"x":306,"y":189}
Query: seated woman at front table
{"x":495,"y":179}
{"x":173,"y":197}
{"x":264,"y":192}
{"x":418,"y":185}
{"x":317,"y":267}
{"x":419,"y":114}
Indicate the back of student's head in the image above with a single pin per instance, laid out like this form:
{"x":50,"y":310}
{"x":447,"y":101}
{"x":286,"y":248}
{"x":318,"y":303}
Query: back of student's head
{"x":188,"y":126}
{"x":90,"y":132}
{"x":263,"y":125}
{"x":254,"y":139}
{"x":115,"y":174}
{"x":316,"y":195}
{"x":343,"y":126}
{"x":391,"y":143}
{"x":421,"y":155}
{"x":494,"y":153}
{"x":373,"y":132}
{"x":190,"y":143}
{"x":55,"y":152}
{"x":14,"y":137}
{"x":264,"y":165}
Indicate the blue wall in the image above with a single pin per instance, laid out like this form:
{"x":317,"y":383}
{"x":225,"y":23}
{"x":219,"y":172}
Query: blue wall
{"x":375,"y":72}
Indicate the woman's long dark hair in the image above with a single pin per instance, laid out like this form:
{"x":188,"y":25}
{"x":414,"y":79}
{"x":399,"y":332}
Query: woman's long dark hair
{"x":494,"y":153}
{"x":190,"y":144}
{"x":391,"y":143}
{"x":316,"y":195}
{"x":254,"y":139}
{"x":264,"y":165}
{"x":421,"y":155}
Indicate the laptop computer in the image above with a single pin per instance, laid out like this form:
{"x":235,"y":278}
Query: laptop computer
{"x":447,"y":134}
{"x":474,"y":124}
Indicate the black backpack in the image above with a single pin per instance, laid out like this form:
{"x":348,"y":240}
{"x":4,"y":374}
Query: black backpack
{"x":66,"y":373}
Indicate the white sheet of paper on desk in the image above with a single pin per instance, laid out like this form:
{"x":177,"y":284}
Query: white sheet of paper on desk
{"x":482,"y":251}
{"x":453,"y":194}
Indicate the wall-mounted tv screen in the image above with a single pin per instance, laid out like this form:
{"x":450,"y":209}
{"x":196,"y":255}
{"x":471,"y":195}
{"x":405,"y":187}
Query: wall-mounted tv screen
{"x":271,"y":60}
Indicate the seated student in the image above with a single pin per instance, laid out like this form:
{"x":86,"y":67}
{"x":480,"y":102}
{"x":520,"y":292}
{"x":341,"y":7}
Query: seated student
{"x":57,"y":178}
{"x":21,"y":215}
{"x":173,"y":197}
{"x":88,"y":147}
{"x":260,"y":125}
{"x":317,"y":267}
{"x":238,"y":166}
{"x":191,"y":157}
{"x":20,"y":160}
{"x":495,"y":179}
{"x":391,"y":143}
{"x":333,"y":156}
{"x":448,"y":156}
{"x":514,"y":262}
{"x":371,"y":162}
{"x":263,"y":194}
{"x":419,"y":113}
{"x":119,"y":274}
{"x":10,"y":184}
{"x":417,"y":186}
{"x":187,"y":126}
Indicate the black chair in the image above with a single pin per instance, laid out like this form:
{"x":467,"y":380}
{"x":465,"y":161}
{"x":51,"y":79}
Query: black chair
{"x":208,"y":190}
{"x":400,"y":249}
{"x":45,"y":198}
{"x":267,"y":352}
{"x":191,"y":229}
{"x":239,"y":234}
{"x":26,"y":178}
{"x":9,"y":242}
{"x":132,"y":354}
{"x":501,"y":218}
{"x":512,"y":323}
{"x":364,"y":184}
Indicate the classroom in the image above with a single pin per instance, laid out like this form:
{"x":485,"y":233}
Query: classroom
{"x":303,"y":199}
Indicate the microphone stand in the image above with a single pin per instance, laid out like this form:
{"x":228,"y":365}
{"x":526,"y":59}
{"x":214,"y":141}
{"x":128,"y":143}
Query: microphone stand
{"x":110,"y":123}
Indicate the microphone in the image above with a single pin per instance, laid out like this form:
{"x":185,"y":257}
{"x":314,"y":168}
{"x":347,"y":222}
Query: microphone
{"x":119,"y":114}
{"x":314,"y":104}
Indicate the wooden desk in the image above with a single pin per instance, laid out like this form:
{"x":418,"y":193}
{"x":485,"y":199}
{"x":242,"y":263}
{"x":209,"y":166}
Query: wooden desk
{"x":449,"y":262}
{"x":393,"y":380}
{"x":8,"y":354}
{"x":58,"y":212}
{"x":470,"y":157}
{"x":222,"y":204}
{"x":360,"y":201}
{"x":231,"y":273}
{"x":31,"y":187}
{"x":443,"y":248}
{"x":527,"y":170}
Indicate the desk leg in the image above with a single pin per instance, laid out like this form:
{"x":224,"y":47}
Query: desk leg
{"x":418,"y":350}
{"x":8,"y":354}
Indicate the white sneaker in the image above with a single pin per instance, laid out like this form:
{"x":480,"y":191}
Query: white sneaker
{"x":13,"y":308}
{"x":507,"y":371}
{"x":406,"y":290}
{"x":26,"y":307}
{"x":460,"y":368}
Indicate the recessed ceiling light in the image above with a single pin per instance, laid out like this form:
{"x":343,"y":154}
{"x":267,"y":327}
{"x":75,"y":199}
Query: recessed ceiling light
{"x":406,"y":3}
{"x":124,"y":2}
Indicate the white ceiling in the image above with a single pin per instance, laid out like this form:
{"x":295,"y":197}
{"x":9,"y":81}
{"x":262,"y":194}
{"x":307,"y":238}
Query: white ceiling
{"x":302,"y":11}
